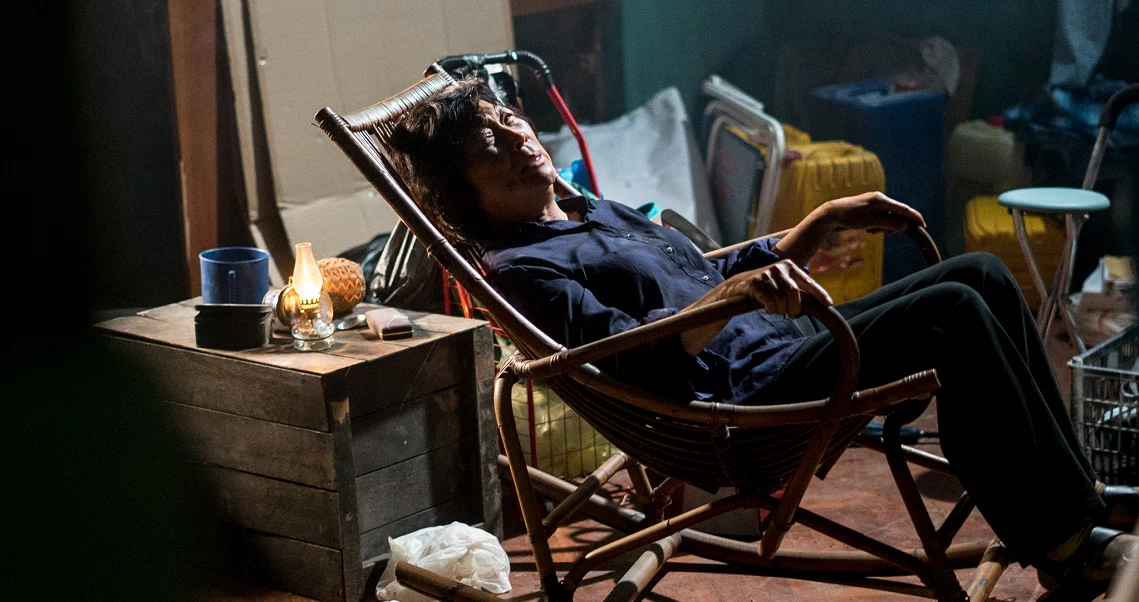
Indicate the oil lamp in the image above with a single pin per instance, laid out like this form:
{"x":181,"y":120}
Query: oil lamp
{"x":313,"y":328}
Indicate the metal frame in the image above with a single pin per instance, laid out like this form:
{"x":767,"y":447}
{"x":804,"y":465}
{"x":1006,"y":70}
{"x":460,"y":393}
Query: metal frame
{"x":733,"y":107}
{"x":1054,"y":300}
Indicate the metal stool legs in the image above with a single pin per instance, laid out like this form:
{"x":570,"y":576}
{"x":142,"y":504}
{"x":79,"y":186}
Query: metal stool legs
{"x":1054,"y":300}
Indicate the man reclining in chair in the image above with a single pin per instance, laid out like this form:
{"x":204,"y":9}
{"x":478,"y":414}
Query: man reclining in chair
{"x":583,"y":270}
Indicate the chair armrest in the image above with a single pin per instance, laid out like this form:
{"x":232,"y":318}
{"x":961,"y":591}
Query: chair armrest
{"x":836,"y":405}
{"x":925,"y":243}
{"x":876,"y":400}
{"x":915,"y":232}
{"x":724,"y":251}
{"x":567,"y":359}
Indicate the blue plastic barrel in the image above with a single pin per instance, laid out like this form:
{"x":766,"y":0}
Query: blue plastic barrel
{"x":904,"y":128}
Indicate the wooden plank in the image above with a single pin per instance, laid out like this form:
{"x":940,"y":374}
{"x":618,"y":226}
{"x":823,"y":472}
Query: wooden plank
{"x":236,"y":387}
{"x":412,"y":373}
{"x":180,"y":333}
{"x":409,"y":429}
{"x":277,"y":507}
{"x":340,"y":420}
{"x":374,"y":542}
{"x":360,"y":344}
{"x":193,"y":48}
{"x":482,"y":352}
{"x":442,"y":323}
{"x":256,"y":446}
{"x":233,"y":20}
{"x":391,"y":493}
{"x":294,"y":566}
{"x":173,"y":312}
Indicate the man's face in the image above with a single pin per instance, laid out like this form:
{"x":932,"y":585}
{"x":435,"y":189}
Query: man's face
{"x":509,"y":169}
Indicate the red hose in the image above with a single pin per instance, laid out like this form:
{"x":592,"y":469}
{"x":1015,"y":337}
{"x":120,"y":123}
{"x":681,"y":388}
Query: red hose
{"x":567,"y":117}
{"x":446,"y":291}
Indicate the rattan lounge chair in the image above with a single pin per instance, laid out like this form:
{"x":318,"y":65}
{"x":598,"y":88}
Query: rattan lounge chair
{"x":759,"y":450}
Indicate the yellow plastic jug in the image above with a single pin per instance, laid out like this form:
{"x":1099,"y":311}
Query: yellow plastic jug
{"x":980,"y":160}
{"x":988,"y":227}
{"x":849,"y":265}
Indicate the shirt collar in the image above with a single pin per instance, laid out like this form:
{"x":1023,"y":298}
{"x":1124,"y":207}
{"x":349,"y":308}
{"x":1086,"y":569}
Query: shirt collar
{"x":530,"y":232}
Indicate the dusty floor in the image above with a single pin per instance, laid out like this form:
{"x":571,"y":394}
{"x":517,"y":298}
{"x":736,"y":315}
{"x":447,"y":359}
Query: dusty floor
{"x":859,"y":492}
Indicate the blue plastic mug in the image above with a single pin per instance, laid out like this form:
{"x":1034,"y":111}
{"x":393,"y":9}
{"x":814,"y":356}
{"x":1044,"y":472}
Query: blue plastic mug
{"x":234,"y":275}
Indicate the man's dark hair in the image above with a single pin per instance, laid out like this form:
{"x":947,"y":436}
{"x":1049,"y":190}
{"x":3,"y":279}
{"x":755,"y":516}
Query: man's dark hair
{"x":428,"y":145}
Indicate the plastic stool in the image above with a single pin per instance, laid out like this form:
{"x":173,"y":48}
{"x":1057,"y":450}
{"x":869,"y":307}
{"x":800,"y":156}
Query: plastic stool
{"x":1075,"y":204}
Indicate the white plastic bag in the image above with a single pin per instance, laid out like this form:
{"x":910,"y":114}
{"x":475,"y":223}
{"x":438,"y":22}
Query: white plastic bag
{"x":461,"y":552}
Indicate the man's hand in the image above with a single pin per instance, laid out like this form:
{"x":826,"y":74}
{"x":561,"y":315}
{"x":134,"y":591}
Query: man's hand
{"x":779,"y":287}
{"x":871,"y":211}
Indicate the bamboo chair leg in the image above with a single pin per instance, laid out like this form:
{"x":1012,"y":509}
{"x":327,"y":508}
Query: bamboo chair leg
{"x":437,"y":586}
{"x":986,"y":575}
{"x":944,"y":582}
{"x":800,"y":565}
{"x":640,"y":478}
{"x":527,"y":501}
{"x":638,"y":577}
{"x":644,"y":489}
{"x":956,"y":519}
{"x":784,"y":514}
{"x":584,"y":491}
{"x":914,"y":456}
{"x":653,"y":532}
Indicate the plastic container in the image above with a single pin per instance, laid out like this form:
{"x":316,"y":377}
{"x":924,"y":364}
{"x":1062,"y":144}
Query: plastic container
{"x":849,"y":264}
{"x":904,"y":129}
{"x":980,"y":160}
{"x":988,"y":227}
{"x":1105,"y":406}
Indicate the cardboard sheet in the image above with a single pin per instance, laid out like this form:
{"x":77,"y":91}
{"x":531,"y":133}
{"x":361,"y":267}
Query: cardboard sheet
{"x":348,"y":54}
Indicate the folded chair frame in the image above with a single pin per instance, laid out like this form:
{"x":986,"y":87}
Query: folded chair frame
{"x":759,"y":450}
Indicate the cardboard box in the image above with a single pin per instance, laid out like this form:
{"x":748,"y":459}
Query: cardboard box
{"x":344,"y":54}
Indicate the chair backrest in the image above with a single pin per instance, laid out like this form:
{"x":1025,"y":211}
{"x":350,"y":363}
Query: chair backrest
{"x":363,"y":136}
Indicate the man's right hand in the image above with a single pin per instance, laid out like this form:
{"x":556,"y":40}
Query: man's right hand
{"x":779,"y":287}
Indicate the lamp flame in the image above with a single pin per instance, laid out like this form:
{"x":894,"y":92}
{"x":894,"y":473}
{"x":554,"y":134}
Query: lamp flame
{"x":307,"y":280}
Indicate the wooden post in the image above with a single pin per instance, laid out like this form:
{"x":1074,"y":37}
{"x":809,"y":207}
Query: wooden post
{"x":193,"y":50}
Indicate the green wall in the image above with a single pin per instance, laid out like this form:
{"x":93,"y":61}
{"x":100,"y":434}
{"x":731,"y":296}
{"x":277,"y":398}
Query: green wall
{"x":678,"y":42}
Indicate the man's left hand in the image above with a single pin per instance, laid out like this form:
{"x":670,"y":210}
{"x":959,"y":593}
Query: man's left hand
{"x":871,"y":211}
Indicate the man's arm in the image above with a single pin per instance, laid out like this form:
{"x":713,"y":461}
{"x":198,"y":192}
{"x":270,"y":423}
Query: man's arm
{"x":802,"y":241}
{"x":871,"y":211}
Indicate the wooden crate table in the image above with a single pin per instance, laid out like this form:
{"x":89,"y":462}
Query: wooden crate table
{"x":318,"y":457}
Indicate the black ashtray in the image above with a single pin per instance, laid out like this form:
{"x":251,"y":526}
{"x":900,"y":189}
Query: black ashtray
{"x":232,"y":326}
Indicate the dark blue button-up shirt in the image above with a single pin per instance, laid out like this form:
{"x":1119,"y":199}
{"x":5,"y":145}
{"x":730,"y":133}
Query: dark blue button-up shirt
{"x":581,"y":281}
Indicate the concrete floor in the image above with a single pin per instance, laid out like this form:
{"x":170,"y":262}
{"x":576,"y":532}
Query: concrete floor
{"x":859,"y":492}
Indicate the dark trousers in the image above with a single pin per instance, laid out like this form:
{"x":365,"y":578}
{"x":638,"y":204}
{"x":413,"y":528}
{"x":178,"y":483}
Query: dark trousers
{"x":1003,"y":423}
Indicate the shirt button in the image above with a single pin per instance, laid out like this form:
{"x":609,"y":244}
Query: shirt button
{"x":668,"y":249}
{"x":705,"y":279}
